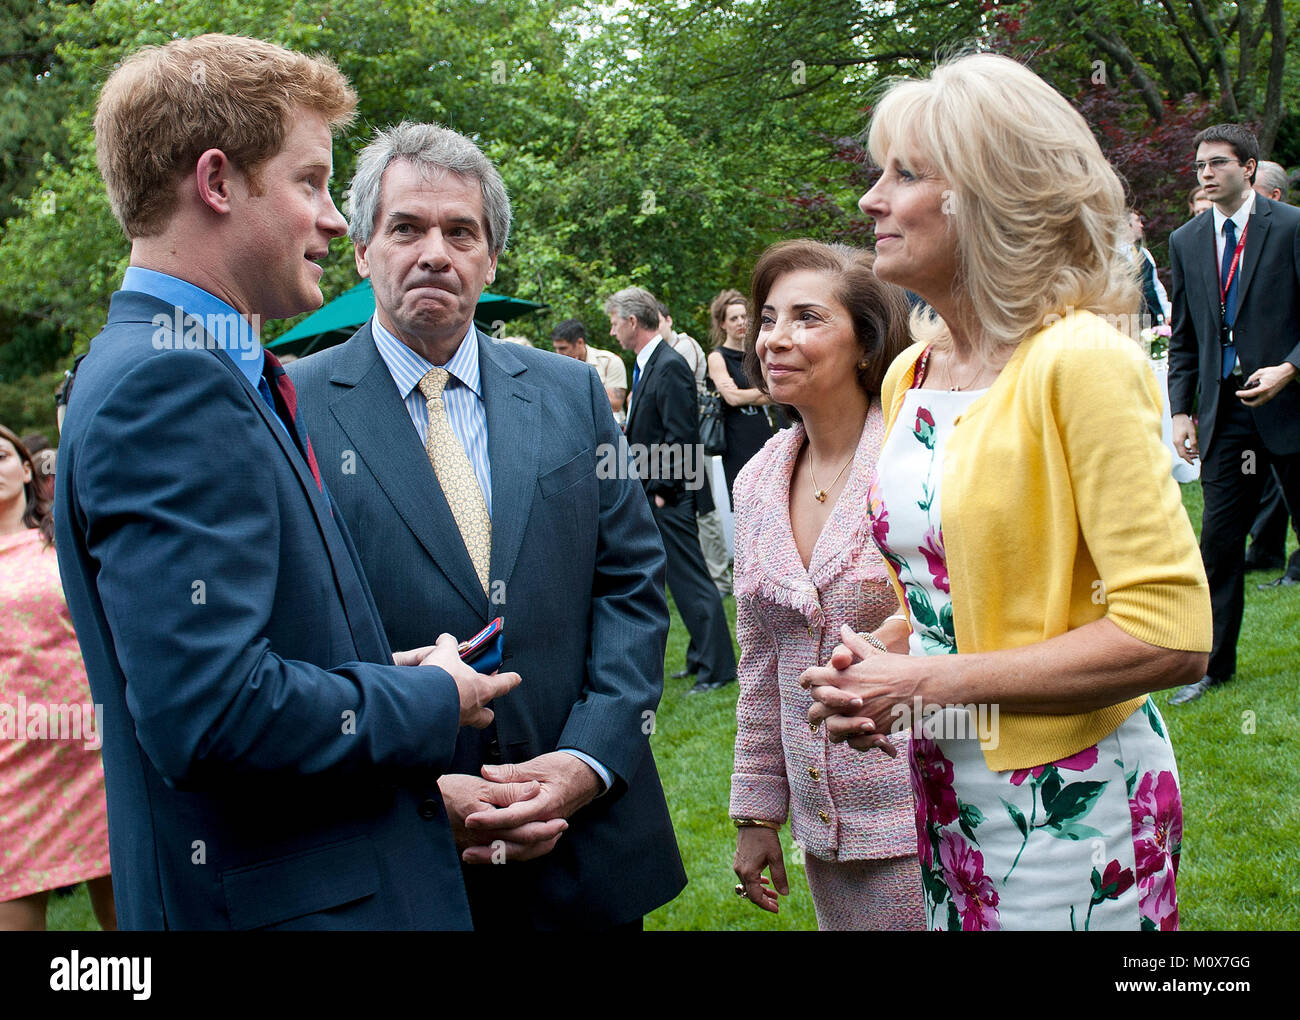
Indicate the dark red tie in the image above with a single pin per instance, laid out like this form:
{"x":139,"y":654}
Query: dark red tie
{"x":284,"y":386}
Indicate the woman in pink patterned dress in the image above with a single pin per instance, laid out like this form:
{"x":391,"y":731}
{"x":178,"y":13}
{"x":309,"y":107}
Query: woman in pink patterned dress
{"x":825,"y":330}
{"x":53,"y":819}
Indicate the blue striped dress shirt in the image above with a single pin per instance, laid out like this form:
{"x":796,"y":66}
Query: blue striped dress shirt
{"x":463,"y":397}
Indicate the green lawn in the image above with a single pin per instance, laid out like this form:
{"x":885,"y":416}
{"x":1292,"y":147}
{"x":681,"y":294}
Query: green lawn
{"x":1237,"y":753}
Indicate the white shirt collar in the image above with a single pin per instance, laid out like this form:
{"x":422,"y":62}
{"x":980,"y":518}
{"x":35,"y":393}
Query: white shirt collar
{"x":1239,"y":218}
{"x":646,"y":351}
{"x":408,"y":368}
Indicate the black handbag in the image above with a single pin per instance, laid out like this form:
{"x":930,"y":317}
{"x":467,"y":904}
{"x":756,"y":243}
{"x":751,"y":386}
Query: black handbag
{"x":713,"y":433}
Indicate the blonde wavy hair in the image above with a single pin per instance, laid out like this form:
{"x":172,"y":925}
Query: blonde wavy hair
{"x":1039,"y":214}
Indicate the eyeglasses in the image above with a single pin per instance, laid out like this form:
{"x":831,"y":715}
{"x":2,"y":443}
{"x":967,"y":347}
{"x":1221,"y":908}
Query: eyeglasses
{"x":1218,"y":163}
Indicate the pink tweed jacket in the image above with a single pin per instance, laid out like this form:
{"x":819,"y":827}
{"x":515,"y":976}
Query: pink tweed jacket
{"x":843,"y":805}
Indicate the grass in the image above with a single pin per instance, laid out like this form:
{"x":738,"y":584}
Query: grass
{"x":1237,"y":754}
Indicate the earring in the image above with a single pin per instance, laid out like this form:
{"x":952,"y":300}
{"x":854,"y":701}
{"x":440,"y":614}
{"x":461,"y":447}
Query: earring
{"x":863,"y":366}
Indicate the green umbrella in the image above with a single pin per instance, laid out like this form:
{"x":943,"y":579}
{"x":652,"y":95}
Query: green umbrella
{"x":339,"y":319}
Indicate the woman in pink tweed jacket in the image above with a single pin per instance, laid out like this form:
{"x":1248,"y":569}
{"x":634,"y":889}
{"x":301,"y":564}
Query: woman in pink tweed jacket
{"x":825,"y":332}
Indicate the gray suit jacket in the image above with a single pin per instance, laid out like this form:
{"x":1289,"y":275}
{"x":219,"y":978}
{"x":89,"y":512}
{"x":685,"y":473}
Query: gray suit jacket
{"x":577,"y":573}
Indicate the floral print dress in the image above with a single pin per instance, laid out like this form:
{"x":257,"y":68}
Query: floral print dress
{"x":1089,"y":842}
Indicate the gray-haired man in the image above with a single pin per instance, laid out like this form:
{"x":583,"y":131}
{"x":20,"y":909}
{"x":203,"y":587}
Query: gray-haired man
{"x":467,"y":469}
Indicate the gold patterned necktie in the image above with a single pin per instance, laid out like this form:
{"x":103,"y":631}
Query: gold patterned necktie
{"x":456,"y":476}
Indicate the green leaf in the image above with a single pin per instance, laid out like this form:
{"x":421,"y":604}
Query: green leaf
{"x":935,"y":887}
{"x":1072,"y":830}
{"x":1017,"y":817}
{"x":945,"y":621}
{"x":1153,"y":717}
{"x":922,"y":611}
{"x":969,"y":817}
{"x":1050,"y":782}
{"x":1075,"y":801}
{"x":954,"y":922}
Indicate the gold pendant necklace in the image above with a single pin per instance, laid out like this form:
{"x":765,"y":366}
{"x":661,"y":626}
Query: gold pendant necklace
{"x":979,"y":371}
{"x":821,"y":494}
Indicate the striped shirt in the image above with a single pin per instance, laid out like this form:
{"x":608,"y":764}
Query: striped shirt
{"x":463,"y":397}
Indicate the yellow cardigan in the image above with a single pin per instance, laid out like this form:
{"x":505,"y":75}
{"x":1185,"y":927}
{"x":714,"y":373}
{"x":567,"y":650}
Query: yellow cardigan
{"x":1058,"y":508}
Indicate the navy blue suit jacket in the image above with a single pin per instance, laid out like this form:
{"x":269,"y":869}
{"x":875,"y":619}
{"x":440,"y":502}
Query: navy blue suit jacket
{"x":1266,"y":330}
{"x":267,"y":765}
{"x":577,"y":573}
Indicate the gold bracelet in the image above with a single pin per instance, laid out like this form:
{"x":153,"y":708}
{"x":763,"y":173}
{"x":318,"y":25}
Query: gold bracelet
{"x":751,"y":823}
{"x":874,"y":642}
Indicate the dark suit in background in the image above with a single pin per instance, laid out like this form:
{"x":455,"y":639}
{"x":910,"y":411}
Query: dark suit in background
{"x":665,"y":412}
{"x":1237,"y":443}
{"x":576,"y":568}
{"x":267,"y":764}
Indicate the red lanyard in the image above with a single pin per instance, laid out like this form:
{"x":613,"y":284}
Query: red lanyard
{"x":1232,"y":269}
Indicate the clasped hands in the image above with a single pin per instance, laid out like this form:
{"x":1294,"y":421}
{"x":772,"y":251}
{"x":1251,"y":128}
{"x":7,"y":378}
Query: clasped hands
{"x":519,"y":810}
{"x":857,"y":692}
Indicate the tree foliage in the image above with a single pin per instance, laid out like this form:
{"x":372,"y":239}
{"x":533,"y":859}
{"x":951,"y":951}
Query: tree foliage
{"x":662,"y":143}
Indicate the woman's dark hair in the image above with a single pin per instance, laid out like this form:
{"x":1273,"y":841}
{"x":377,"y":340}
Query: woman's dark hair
{"x":879,"y":310}
{"x":718,"y":314}
{"x":37,"y":512}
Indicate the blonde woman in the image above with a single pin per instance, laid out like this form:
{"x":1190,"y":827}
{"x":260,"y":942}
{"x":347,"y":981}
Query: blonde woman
{"x":744,"y":423}
{"x":1025,"y":508}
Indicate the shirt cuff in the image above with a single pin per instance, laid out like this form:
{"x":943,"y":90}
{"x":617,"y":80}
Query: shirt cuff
{"x":596,"y":766}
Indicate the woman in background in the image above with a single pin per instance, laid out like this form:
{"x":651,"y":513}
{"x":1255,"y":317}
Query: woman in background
{"x":53,"y":817}
{"x":744,"y":423}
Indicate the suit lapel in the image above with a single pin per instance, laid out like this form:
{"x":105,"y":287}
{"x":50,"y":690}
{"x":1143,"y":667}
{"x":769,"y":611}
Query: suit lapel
{"x":512,"y":407}
{"x":367,"y":636}
{"x":365,"y":403}
{"x":1205,"y":266}
{"x":1256,"y":232}
{"x":348,"y":582}
{"x":643,"y":379}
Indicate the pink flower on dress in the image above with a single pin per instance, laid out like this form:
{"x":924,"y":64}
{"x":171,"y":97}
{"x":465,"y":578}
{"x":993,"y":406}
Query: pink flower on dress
{"x":924,"y":428}
{"x":1115,"y":881}
{"x":932,"y":780}
{"x":1157,"y":811}
{"x":879,"y":517}
{"x":1080,"y":762}
{"x":972,"y":891}
{"x":935,"y":557}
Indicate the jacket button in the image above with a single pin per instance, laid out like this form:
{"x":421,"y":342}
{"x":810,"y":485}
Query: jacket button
{"x":494,"y":750}
{"x":824,"y":817}
{"x":428,"y":808}
{"x":814,"y":773}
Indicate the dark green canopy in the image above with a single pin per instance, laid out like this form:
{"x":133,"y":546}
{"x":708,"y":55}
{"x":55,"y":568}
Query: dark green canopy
{"x":339,"y":319}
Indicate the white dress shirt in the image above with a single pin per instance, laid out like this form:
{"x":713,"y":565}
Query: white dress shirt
{"x":1239,"y":220}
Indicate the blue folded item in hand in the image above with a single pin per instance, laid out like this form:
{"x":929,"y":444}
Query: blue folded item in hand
{"x":486,"y":649}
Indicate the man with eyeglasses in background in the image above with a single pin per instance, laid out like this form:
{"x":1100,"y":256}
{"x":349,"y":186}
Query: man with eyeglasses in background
{"x":1236,"y":338}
